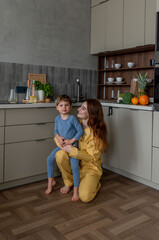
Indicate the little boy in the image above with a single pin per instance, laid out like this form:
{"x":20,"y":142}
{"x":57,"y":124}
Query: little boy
{"x":67,"y":130}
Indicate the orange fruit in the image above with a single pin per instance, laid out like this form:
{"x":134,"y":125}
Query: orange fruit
{"x":135,"y":100}
{"x":143,"y":99}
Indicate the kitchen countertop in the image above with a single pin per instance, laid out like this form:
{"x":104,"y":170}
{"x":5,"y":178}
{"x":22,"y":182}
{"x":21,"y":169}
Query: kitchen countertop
{"x":6,"y":105}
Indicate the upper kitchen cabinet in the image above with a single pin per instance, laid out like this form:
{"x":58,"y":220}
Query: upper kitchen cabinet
{"x":98,"y":28}
{"x":114,"y":25}
{"x":96,"y":2}
{"x":134,"y":23}
{"x":150,"y":21}
{"x":157,"y":5}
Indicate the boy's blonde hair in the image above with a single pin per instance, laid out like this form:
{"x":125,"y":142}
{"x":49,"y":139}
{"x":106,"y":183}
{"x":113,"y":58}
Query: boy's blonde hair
{"x":64,"y":98}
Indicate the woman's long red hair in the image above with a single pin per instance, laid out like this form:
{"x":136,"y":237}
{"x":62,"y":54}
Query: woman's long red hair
{"x":96,"y":121}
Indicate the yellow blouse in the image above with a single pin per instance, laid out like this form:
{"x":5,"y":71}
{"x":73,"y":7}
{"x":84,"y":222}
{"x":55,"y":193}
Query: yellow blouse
{"x":89,"y":152}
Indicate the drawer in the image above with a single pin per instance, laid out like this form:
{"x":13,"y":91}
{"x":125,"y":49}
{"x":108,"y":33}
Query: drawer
{"x":1,"y":135}
{"x":1,"y":162}
{"x":29,"y":132}
{"x":28,"y":116}
{"x":1,"y":117}
{"x":156,"y":129}
{"x":27,"y":159}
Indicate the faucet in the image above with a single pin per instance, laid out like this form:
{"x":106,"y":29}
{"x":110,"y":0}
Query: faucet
{"x":78,"y":90}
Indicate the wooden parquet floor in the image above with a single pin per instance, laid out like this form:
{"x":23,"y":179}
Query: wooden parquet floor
{"x":123,"y":209}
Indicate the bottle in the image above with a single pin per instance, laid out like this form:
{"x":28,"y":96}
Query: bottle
{"x":33,"y":97}
{"x":33,"y":88}
{"x":28,"y":93}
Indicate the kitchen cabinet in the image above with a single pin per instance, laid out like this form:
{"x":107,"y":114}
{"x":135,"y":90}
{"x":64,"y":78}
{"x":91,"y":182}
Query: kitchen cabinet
{"x":140,"y":56}
{"x":114,"y":25}
{"x":1,"y":143}
{"x":122,"y":24}
{"x":135,"y":143}
{"x":134,"y":24}
{"x":155,"y":154}
{"x":155,"y":165}
{"x":150,"y":22}
{"x":98,"y":28}
{"x":130,"y":141}
{"x":156,"y":129}
{"x":26,"y":159}
{"x":157,"y":5}
{"x":111,"y":119}
{"x":96,"y":2}
{"x":28,"y":142}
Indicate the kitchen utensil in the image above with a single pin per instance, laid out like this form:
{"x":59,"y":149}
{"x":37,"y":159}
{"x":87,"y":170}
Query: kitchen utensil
{"x":110,"y":79}
{"x":119,"y":79}
{"x":131,"y":64}
{"x":117,"y":65}
{"x":112,"y":95}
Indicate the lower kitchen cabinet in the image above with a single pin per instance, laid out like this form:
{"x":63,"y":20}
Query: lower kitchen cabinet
{"x":155,"y":165}
{"x":1,"y":162}
{"x":26,"y":159}
{"x":130,"y":141}
{"x":135,"y":142}
{"x":111,"y":119}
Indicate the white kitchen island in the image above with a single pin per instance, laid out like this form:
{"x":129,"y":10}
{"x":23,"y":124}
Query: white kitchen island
{"x":27,"y":132}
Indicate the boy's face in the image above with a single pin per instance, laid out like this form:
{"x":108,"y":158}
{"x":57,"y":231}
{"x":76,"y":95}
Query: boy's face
{"x":63,"y":107}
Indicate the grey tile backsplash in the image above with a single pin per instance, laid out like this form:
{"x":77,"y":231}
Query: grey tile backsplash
{"x":62,"y":79}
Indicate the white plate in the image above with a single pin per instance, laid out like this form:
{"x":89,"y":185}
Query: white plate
{"x":110,"y":82}
{"x":119,"y":82}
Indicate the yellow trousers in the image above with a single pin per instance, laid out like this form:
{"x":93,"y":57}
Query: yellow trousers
{"x":89,"y":182}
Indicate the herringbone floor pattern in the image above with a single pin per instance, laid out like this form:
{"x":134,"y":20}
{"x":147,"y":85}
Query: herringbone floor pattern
{"x":123,"y":209}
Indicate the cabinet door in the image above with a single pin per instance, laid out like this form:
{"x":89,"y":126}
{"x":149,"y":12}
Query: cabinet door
{"x":95,"y":2}
{"x":156,"y":129}
{"x":98,"y":28}
{"x":135,"y":142}
{"x":1,"y":162}
{"x":111,"y":156}
{"x":1,"y":117}
{"x":155,"y":165}
{"x":150,"y":22}
{"x":1,"y":135}
{"x":114,"y":25}
{"x":157,"y":5}
{"x":27,"y":159}
{"x":134,"y":23}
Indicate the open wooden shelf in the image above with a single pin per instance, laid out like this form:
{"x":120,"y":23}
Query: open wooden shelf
{"x":139,"y":55}
{"x":124,"y":69}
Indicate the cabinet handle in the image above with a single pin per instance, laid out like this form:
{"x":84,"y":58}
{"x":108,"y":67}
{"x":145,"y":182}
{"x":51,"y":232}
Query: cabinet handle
{"x":110,"y":111}
{"x":40,"y":140}
{"x":40,"y":123}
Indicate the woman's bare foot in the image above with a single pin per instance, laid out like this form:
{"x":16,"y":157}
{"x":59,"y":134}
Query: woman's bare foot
{"x":65,"y":189}
{"x":75,"y":196}
{"x":51,"y":184}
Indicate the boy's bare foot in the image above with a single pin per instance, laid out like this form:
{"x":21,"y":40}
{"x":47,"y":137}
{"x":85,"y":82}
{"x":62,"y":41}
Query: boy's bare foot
{"x":49,"y":189}
{"x":75,"y":196}
{"x":75,"y":199}
{"x":65,"y":189}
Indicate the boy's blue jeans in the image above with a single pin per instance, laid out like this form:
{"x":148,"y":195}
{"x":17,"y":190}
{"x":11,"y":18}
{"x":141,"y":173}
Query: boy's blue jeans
{"x":74,"y":166}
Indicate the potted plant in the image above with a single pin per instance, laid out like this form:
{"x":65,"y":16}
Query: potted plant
{"x":40,"y":88}
{"x":48,"y":90}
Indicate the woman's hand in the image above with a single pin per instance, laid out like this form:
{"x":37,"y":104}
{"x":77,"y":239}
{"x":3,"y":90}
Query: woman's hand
{"x":67,"y":148}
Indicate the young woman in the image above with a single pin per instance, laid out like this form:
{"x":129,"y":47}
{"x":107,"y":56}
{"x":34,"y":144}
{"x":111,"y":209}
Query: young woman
{"x":91,"y":145}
